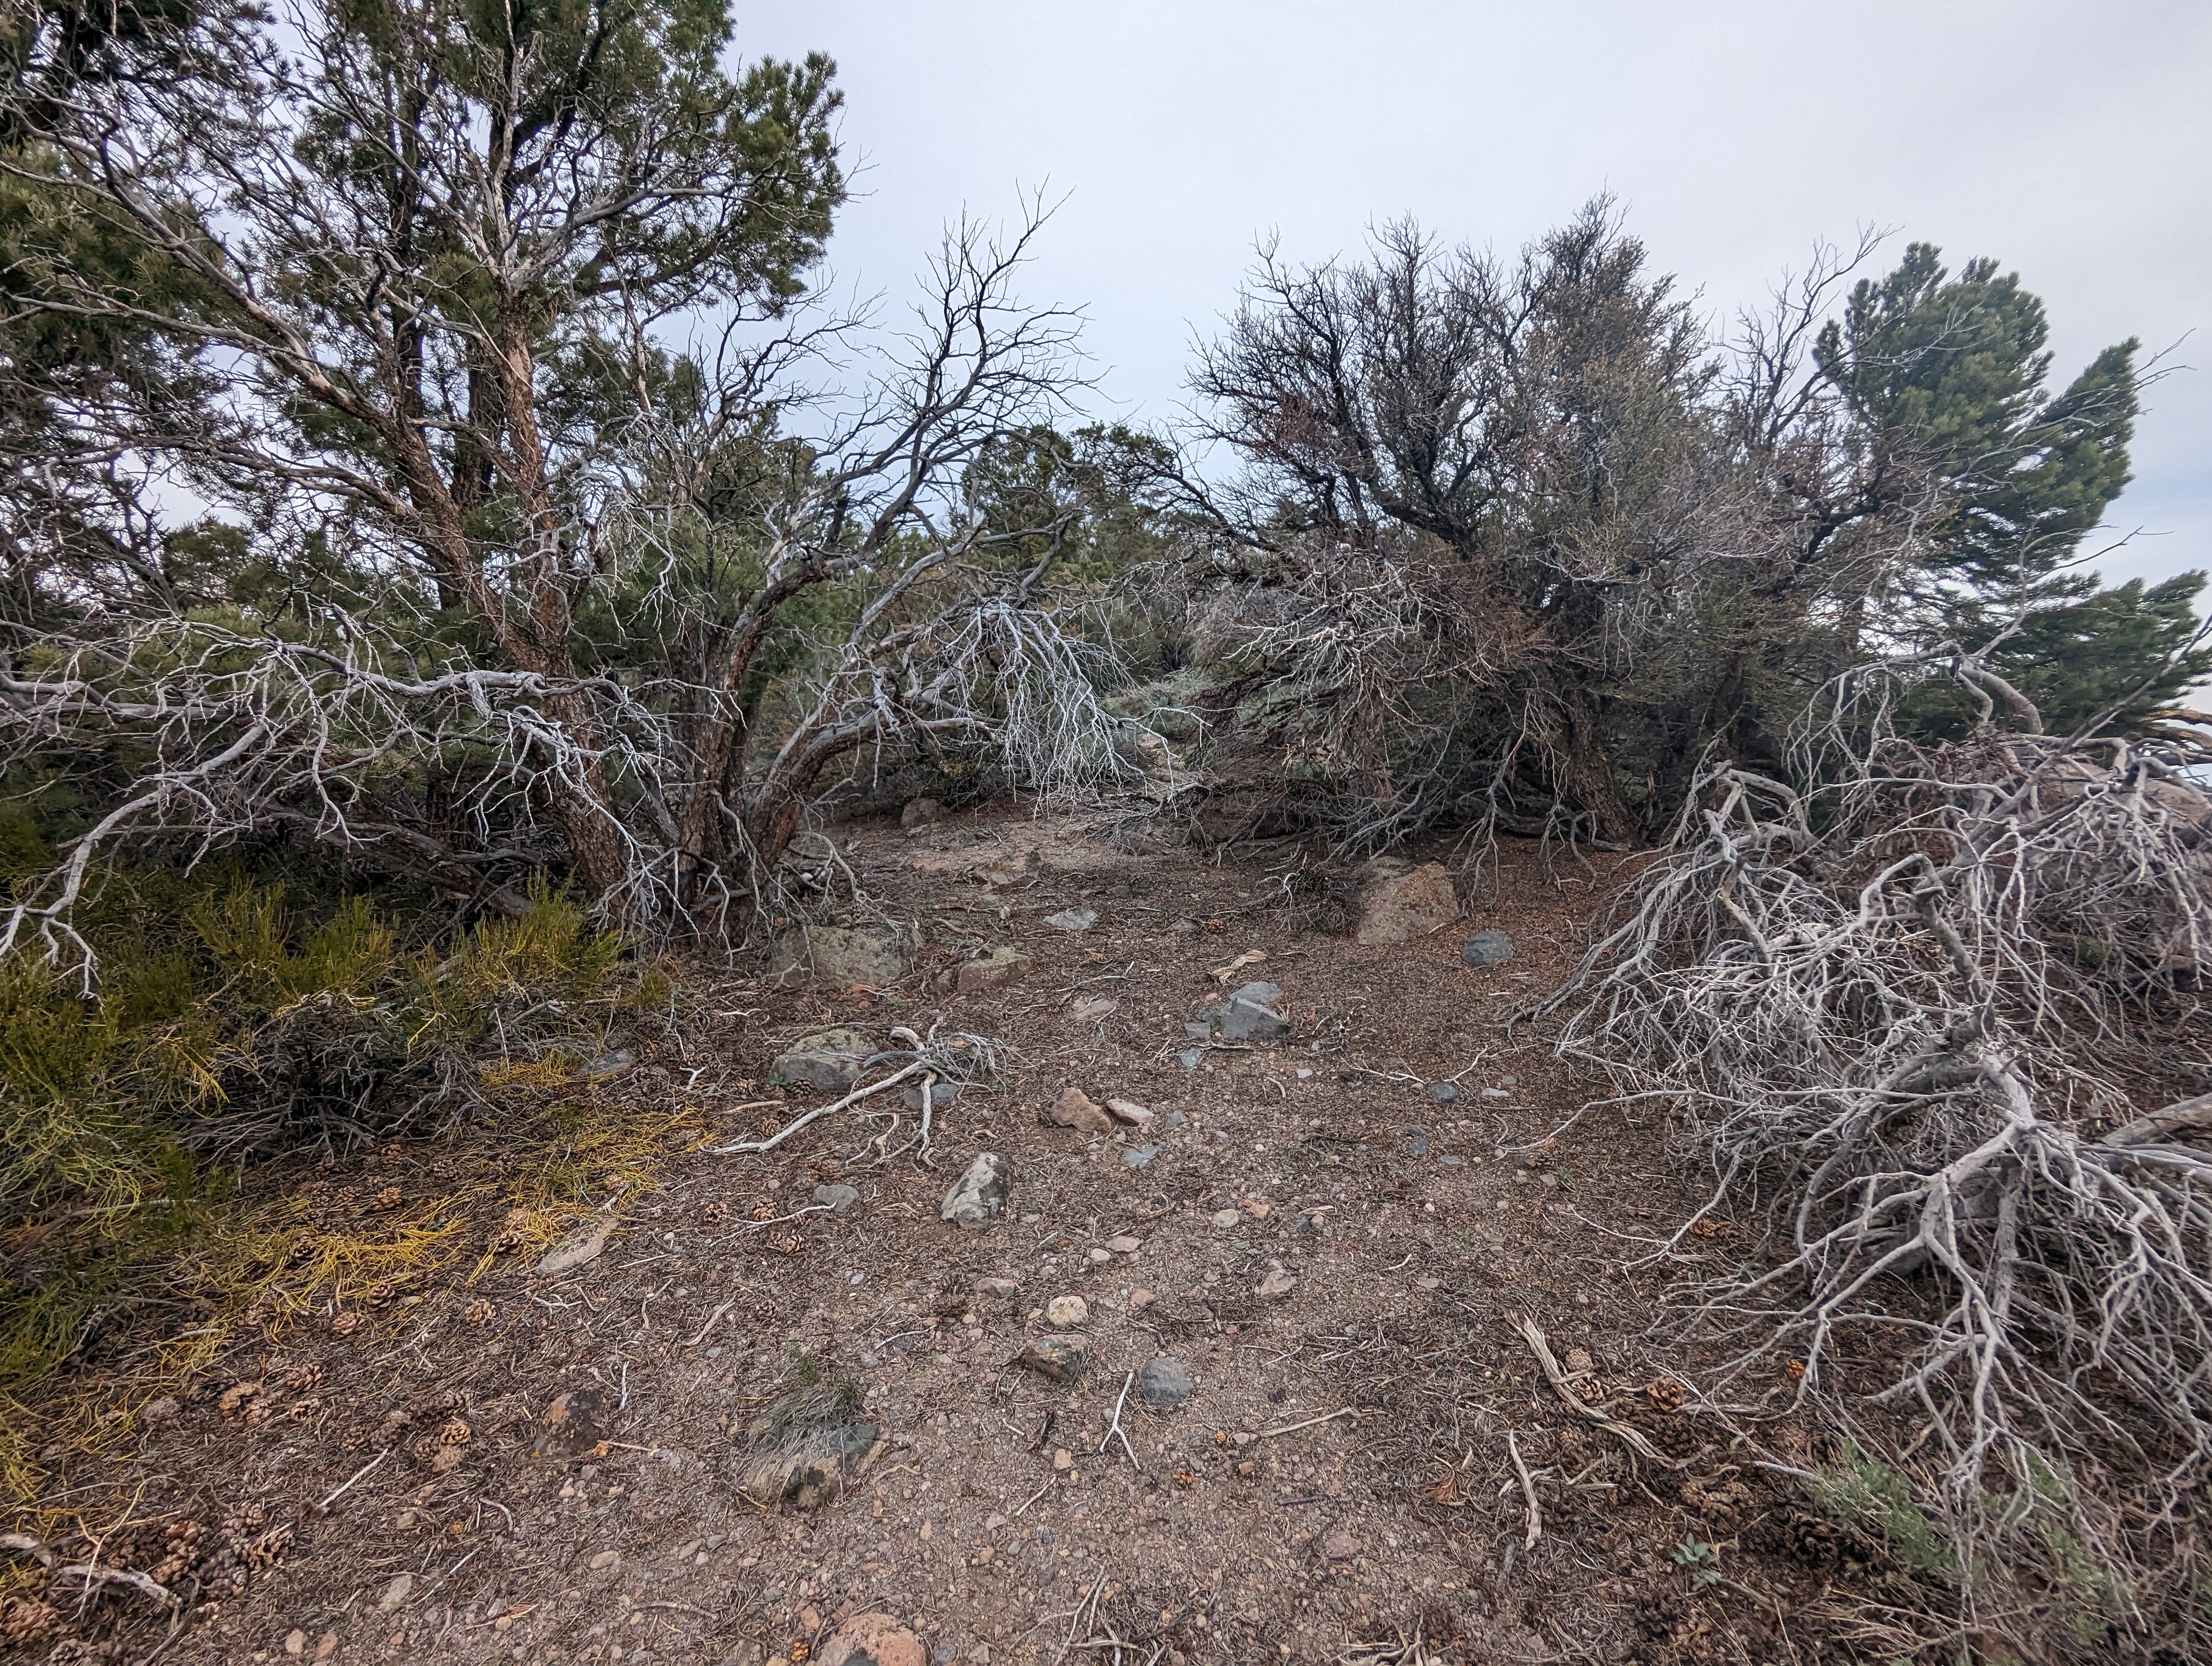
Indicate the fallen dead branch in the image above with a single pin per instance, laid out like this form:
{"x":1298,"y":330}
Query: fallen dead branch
{"x":1293,"y":1428}
{"x":957,"y":1058}
{"x":90,"y":1576}
{"x":1563,"y":1385}
{"x":1528,"y":1492}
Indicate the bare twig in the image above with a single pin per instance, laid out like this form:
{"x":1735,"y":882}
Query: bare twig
{"x":1528,"y":1492}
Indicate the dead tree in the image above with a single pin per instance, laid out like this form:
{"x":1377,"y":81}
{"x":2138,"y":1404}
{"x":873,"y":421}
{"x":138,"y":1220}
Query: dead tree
{"x":1909,"y":1007}
{"x":1612,"y":541}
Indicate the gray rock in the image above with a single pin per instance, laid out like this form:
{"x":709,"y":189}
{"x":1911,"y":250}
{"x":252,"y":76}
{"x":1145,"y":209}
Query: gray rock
{"x":1118,"y":890}
{"x":1074,"y":920}
{"x":1164,"y":1383}
{"x":1176,"y":1119}
{"x":1189,"y":1057}
{"x":837,"y":1198}
{"x":978,"y":1195}
{"x":1417,"y":1143}
{"x":828,"y":1059}
{"x":1486,"y":949}
{"x":941,"y":1094}
{"x":397,"y":1593}
{"x":612,"y":1065}
{"x":843,"y":954}
{"x":1137,"y":1156}
{"x":1444,"y":1093}
{"x":1251,"y":1013}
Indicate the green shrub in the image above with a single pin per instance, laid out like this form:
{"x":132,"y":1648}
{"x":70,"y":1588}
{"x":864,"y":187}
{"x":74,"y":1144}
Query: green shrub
{"x":225,"y":1025}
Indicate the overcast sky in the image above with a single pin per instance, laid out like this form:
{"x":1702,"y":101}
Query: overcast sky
{"x":2071,"y":140}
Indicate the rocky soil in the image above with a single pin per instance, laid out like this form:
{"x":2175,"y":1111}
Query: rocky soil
{"x":1271,"y":1323}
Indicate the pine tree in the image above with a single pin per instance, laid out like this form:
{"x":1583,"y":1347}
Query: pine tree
{"x":1946,"y":378}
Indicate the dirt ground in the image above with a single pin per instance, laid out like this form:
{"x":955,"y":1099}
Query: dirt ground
{"x":1349,"y":1479}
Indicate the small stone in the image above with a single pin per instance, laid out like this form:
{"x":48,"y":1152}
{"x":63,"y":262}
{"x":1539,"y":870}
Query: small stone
{"x":612,"y":1064}
{"x":1189,"y":1057}
{"x":1228,"y":1217}
{"x":998,"y":1290}
{"x":1137,"y":1156}
{"x":873,"y":1639}
{"x":1174,"y":1119}
{"x":1142,"y":1299}
{"x":1164,"y":1383}
{"x":1444,"y":1093}
{"x":1128,"y":1110}
{"x":1060,"y":1359}
{"x":978,"y":1195}
{"x":941,"y":1094}
{"x":1123,"y":1244}
{"x":1117,"y":891}
{"x":1417,"y":1143}
{"x":605,"y":1559}
{"x":397,"y":1593}
{"x":1063,"y":1459}
{"x":837,"y":1199}
{"x":1279,"y":1282}
{"x":1089,"y":1007}
{"x":992,"y":971}
{"x":1074,"y":920}
{"x":1074,"y":1110}
{"x":1338,"y":1546}
{"x":1251,"y":1013}
{"x":827,"y":1060}
{"x":1495,"y":1093}
{"x":1099,"y":1255}
{"x":1258,"y":1208}
{"x":1065,"y":1311}
{"x":1486,"y":949}
{"x":295,"y":1642}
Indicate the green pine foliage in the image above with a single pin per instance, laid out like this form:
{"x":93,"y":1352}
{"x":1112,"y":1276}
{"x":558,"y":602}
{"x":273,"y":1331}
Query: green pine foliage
{"x":1947,"y":379}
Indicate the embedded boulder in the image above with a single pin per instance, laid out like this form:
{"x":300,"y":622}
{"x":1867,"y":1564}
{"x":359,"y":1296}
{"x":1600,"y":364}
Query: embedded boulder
{"x":869,"y":954}
{"x":991,"y":971}
{"x":1399,"y":902}
{"x":828,"y":1059}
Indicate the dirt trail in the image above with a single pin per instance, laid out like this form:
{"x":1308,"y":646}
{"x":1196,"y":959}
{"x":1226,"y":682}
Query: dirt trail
{"x":1345,"y":1477}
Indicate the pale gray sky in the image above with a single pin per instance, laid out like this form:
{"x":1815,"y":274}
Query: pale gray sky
{"x":2071,"y":140}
